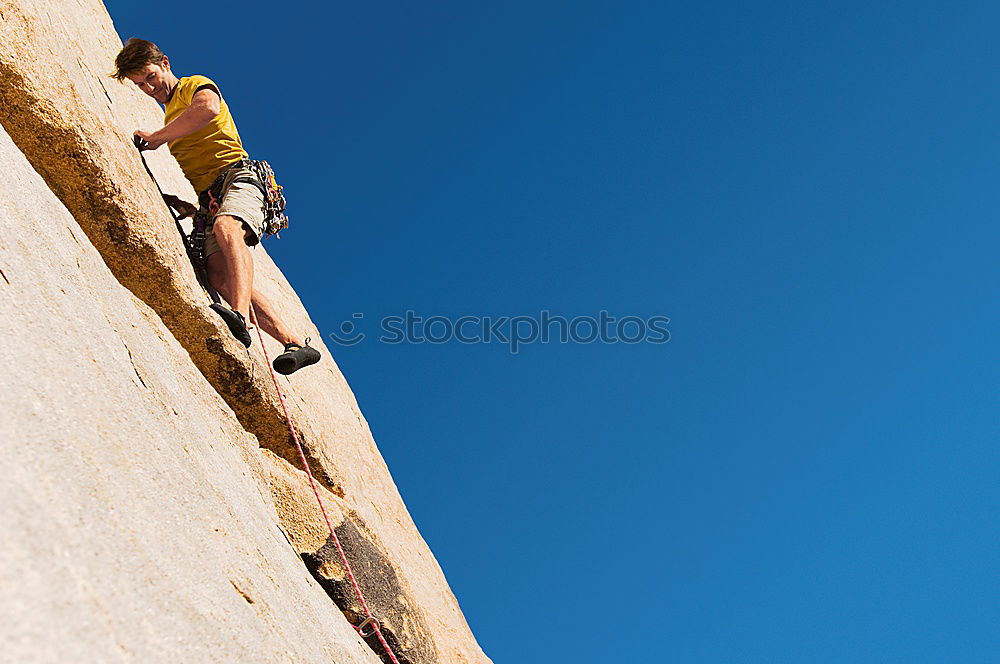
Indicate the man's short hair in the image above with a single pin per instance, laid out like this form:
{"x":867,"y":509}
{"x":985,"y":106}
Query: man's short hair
{"x":136,"y":54}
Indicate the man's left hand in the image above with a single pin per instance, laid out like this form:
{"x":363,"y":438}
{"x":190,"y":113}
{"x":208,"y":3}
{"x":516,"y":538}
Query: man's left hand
{"x":183,"y":208}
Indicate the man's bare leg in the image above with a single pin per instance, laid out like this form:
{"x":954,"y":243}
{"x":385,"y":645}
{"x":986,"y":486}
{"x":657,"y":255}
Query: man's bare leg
{"x":267,"y":318}
{"x":230,"y":271}
{"x":215,"y":270}
{"x":219,"y":269}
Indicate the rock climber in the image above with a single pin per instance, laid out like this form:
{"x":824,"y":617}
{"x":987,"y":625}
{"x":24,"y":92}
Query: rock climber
{"x":202,"y":137}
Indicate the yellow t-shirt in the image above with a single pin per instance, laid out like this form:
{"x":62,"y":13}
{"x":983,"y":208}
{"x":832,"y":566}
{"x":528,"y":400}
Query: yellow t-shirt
{"x":203,"y":154}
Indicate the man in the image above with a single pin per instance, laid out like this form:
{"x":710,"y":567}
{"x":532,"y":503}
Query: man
{"x":202,"y":137}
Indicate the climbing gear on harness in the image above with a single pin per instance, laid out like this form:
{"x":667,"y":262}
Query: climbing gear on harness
{"x":275,"y":219}
{"x":370,"y":619}
{"x":263,"y":178}
{"x":295,"y":357}
{"x":197,"y":237}
{"x":235,"y":321}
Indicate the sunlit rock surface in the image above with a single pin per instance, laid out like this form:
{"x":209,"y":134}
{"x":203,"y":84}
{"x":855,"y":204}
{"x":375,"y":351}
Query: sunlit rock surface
{"x":123,"y":392}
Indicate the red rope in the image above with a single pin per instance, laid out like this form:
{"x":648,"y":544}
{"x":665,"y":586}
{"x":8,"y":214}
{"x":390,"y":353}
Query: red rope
{"x":336,"y":540}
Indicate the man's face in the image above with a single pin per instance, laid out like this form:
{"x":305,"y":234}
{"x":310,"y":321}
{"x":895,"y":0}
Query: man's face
{"x":154,"y":80}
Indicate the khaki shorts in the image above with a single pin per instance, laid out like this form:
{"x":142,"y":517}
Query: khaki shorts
{"x":243,"y":201}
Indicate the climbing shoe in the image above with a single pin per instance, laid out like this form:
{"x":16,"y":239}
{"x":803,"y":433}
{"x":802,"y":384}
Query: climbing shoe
{"x":235,"y":321}
{"x":295,"y":357}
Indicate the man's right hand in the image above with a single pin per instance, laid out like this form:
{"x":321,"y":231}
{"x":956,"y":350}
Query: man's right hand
{"x":146,"y":140}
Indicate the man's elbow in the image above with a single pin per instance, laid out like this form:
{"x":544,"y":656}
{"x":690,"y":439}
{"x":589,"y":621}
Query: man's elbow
{"x":208,"y":105}
{"x":210,"y":111}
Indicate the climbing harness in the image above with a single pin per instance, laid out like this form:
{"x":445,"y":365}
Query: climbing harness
{"x":275,"y":219}
{"x":263,"y":179}
{"x":370,"y":620}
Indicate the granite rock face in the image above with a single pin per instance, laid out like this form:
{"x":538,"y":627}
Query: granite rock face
{"x":137,"y":524}
{"x":148,"y":423}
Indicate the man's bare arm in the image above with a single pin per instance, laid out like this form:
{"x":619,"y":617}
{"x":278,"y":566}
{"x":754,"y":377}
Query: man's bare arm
{"x":205,"y":105}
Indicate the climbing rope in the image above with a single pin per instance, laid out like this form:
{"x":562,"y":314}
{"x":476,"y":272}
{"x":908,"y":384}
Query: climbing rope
{"x":370,"y":620}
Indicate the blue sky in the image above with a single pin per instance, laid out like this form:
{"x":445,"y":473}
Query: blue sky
{"x":808,"y":470}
